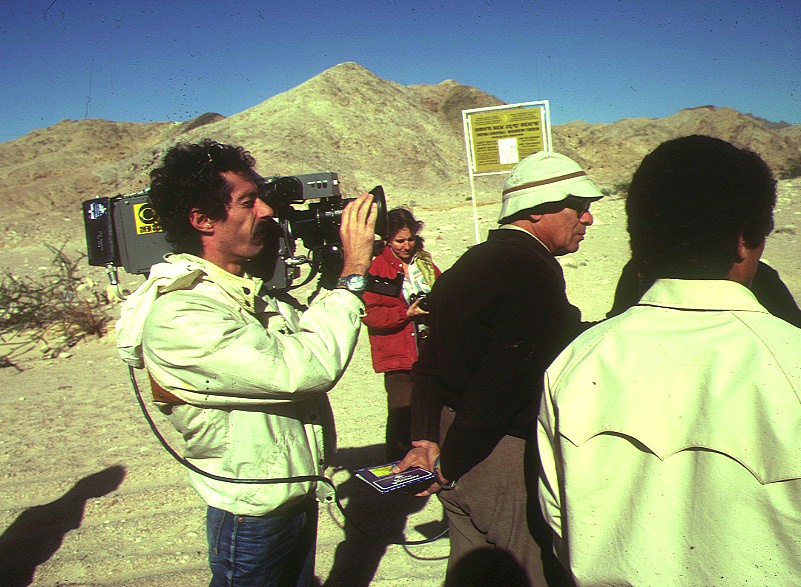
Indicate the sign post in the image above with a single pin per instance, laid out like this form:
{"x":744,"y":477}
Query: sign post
{"x":498,"y":137}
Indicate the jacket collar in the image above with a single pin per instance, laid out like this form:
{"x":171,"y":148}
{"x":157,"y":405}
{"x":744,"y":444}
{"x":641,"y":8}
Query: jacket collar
{"x":180,"y":271}
{"x":701,"y":294}
{"x":392,"y":258}
{"x":516,"y":229}
{"x":242,"y":289}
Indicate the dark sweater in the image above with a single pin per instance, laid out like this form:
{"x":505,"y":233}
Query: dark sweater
{"x":499,"y":316}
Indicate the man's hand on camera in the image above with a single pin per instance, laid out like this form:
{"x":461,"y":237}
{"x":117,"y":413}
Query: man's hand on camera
{"x":357,"y":232}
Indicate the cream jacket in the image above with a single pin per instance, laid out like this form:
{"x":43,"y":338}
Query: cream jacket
{"x":670,"y":442}
{"x":253,"y":372}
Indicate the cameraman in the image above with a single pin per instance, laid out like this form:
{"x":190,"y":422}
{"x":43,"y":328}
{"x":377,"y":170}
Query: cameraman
{"x":243,"y":377}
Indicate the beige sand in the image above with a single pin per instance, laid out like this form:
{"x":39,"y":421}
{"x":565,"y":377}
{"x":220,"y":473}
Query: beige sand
{"x":136,"y":522}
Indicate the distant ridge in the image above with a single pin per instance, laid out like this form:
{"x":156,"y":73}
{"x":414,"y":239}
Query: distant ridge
{"x":199,"y":121}
{"x":611,"y":152}
{"x":346,"y":119}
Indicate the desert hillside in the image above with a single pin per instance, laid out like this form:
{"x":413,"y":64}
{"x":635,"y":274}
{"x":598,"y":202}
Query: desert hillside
{"x":348,"y":120}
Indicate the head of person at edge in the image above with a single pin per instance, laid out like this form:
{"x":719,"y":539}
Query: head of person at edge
{"x":549,"y":196}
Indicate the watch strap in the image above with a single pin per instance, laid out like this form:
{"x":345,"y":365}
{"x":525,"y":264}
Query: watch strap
{"x":446,"y":486}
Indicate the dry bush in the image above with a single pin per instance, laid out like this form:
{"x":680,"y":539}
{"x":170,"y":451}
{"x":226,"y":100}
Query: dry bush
{"x":53,"y":311}
{"x":793,"y":169}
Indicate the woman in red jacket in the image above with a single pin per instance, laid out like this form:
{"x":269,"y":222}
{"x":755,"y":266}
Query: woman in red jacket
{"x":400,"y":277}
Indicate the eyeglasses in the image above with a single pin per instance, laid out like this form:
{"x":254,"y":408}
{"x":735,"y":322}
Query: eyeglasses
{"x":580,"y":205}
{"x":215,"y":152}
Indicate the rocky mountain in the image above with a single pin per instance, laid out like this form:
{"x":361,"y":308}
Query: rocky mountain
{"x":611,"y":152}
{"x":348,"y":120}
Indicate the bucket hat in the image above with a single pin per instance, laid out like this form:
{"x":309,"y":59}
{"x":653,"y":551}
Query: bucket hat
{"x":545,"y":177}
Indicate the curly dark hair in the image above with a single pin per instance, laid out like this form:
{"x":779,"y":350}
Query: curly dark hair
{"x":188,"y":178}
{"x":689,"y":202}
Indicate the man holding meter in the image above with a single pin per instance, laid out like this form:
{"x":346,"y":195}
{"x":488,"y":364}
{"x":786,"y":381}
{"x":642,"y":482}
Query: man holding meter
{"x":498,"y":317}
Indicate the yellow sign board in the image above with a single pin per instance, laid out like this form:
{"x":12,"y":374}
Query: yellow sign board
{"x":145,"y":218}
{"x":501,"y":138}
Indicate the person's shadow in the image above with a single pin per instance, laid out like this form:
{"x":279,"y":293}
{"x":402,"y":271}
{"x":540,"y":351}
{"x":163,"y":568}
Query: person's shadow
{"x":39,"y":531}
{"x":486,"y":567}
{"x":372,"y":519}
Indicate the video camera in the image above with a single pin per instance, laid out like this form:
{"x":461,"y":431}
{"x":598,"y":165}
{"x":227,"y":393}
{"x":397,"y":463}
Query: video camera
{"x":123,"y":231}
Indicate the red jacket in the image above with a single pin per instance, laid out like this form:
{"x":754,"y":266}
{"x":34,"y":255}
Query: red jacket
{"x":392,"y":336}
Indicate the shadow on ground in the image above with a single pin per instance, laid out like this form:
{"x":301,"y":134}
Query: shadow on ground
{"x":372,"y":520}
{"x":39,"y":531}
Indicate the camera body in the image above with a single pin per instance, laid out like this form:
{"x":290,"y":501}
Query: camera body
{"x":123,"y":230}
{"x":423,"y":303}
{"x":318,"y":224}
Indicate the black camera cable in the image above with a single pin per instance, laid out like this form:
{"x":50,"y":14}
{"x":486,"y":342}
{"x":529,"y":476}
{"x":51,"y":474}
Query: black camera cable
{"x":298,"y":479}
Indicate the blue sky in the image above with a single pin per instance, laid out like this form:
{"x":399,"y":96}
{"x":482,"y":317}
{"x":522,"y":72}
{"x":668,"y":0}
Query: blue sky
{"x":598,"y":61}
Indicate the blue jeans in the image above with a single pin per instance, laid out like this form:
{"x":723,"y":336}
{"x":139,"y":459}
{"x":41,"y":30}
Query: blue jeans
{"x":275,"y":550}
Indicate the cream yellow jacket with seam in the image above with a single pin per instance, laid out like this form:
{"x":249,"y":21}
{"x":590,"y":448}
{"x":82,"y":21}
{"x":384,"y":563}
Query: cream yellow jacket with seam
{"x":670,"y":440}
{"x":253,"y":372}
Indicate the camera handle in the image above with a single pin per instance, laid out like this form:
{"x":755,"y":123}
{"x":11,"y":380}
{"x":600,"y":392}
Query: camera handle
{"x":113,"y":289}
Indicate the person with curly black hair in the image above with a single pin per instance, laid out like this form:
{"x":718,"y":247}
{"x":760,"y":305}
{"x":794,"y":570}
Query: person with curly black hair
{"x":241,"y":375}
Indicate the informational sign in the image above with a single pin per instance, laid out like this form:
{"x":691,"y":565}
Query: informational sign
{"x":499,"y":138}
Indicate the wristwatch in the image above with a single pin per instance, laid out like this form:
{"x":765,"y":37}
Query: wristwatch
{"x":355,"y":283}
{"x":446,"y":486}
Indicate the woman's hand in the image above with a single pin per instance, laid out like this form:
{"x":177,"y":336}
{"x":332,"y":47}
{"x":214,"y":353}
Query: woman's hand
{"x":415,"y":309}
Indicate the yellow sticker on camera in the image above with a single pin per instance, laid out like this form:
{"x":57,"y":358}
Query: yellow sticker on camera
{"x":145,"y":218}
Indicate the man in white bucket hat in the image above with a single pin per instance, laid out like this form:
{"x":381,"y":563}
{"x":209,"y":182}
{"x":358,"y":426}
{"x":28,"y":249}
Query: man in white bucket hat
{"x":498,"y":317}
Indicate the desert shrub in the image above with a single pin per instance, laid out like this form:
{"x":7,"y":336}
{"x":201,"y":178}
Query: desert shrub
{"x":793,"y":169}
{"x":621,"y":188}
{"x":54,"y":311}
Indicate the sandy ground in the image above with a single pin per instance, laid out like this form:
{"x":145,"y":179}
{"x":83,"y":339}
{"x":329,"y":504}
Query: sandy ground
{"x":89,"y":497}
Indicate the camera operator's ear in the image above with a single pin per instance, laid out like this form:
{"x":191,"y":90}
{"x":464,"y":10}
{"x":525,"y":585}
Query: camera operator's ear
{"x":201,"y":222}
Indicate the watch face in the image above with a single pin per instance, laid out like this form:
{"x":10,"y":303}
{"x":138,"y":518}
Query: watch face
{"x":356,"y":282}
